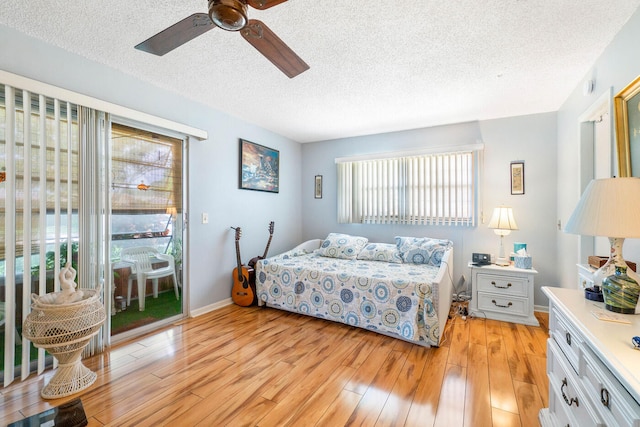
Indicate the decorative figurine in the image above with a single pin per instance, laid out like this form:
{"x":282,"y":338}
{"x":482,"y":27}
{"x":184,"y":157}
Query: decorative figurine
{"x":68,"y":293}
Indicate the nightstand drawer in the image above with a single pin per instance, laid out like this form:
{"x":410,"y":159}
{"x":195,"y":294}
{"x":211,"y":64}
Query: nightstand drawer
{"x":502,"y":285}
{"x":585,"y":276}
{"x":503,"y":304}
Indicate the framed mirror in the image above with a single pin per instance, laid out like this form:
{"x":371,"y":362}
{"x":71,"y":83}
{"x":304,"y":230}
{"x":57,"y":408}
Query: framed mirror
{"x":627,"y":116}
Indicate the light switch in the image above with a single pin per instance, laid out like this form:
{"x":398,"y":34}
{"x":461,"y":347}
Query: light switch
{"x":205,"y":218}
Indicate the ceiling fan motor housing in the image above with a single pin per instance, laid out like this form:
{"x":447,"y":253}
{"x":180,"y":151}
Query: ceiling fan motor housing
{"x":230,"y":15}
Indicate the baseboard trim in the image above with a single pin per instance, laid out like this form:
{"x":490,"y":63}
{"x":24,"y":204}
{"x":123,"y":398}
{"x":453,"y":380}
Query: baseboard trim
{"x":542,"y":308}
{"x":209,"y":308}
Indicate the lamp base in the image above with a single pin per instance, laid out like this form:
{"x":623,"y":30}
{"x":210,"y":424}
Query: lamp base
{"x":620,"y":292}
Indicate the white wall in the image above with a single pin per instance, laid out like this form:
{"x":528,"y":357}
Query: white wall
{"x":528,"y":138}
{"x":213,"y":164}
{"x":618,"y":65}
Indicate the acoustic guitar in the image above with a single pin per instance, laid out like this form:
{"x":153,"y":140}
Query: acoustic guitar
{"x":254,"y":260}
{"x":243,"y":291}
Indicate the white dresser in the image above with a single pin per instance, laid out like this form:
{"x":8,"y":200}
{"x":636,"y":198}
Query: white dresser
{"x":503,"y":293}
{"x":593,"y":370}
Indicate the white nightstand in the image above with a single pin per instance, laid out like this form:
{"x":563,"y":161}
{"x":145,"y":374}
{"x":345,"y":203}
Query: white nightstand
{"x":503,"y":293}
{"x":585,"y":276}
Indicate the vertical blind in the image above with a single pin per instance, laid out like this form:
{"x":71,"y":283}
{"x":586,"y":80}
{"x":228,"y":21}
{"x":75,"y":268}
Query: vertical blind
{"x":55,"y":188}
{"x":41,"y":140}
{"x":430,"y":189}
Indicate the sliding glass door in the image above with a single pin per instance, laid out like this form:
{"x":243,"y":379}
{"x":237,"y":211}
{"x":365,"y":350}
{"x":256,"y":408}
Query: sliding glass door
{"x":146,"y":227}
{"x":76,"y":188}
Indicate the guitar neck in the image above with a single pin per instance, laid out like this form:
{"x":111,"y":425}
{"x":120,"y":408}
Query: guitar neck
{"x":267,"y":248}
{"x":238,"y":260}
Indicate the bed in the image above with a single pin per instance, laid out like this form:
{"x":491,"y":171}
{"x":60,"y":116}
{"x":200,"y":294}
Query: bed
{"x":402,"y":290}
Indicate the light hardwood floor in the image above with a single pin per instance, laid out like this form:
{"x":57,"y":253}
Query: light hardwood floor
{"x":253,"y":366}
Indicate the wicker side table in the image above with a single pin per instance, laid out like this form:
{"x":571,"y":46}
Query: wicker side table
{"x":64,"y":330}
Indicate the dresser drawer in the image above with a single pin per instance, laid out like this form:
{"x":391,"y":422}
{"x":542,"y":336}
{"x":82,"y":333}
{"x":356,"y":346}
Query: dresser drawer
{"x":502,"y":284}
{"x":591,"y":360}
{"x":614,"y":404}
{"x":506,"y":304}
{"x":561,"y":413}
{"x":565,"y":384}
{"x":567,"y":338}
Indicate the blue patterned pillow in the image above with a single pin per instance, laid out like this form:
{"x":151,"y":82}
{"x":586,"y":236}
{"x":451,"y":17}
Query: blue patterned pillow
{"x":422,"y":250}
{"x":386,"y":252}
{"x":343,"y":246}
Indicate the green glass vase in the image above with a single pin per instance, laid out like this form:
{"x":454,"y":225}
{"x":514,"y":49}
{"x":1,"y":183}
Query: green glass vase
{"x":620,"y":292}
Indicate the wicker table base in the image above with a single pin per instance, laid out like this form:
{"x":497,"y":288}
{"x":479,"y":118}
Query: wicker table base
{"x":64,"y":330}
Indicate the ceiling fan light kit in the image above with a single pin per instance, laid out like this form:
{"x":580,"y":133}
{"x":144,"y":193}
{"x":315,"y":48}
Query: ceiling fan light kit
{"x":230,"y":15}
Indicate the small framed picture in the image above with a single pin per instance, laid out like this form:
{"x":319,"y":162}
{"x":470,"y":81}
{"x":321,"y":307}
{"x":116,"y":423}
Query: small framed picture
{"x":318,"y":187}
{"x":517,"y":178}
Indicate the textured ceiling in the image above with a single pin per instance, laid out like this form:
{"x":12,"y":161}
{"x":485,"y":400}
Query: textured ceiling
{"x":376,"y":66}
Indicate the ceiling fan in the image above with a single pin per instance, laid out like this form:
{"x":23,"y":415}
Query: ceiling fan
{"x":230,"y":15}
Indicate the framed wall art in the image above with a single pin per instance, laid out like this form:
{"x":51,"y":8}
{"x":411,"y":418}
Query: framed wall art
{"x":259,"y":167}
{"x":318,"y":187}
{"x":627,"y":116}
{"x":517,"y":178}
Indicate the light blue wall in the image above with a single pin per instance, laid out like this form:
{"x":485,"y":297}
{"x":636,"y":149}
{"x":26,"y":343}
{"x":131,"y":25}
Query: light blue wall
{"x":213,"y":164}
{"x":548,"y":143}
{"x":618,"y":65}
{"x":531,"y":139}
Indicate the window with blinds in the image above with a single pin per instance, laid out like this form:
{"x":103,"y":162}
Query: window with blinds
{"x":39,"y":198}
{"x":434,"y":189}
{"x":146,"y":196}
{"x":45,"y":171}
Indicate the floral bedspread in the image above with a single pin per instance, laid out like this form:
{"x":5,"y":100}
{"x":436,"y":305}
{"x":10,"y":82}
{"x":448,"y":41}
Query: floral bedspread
{"x":390,"y":298}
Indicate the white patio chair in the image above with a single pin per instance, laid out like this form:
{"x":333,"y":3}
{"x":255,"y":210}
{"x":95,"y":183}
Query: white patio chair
{"x":141,"y":270}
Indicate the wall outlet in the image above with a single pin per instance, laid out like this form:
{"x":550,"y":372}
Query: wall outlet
{"x":205,"y":218}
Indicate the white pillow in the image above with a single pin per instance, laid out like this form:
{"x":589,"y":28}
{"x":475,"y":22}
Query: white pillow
{"x":343,"y":246}
{"x":386,"y":252}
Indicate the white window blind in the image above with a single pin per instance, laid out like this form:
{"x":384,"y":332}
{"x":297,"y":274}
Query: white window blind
{"x":434,"y":189}
{"x":42,"y":143}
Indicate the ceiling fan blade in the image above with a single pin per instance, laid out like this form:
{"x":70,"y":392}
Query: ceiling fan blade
{"x":177,"y":34}
{"x":264,"y":4}
{"x":273,"y":48}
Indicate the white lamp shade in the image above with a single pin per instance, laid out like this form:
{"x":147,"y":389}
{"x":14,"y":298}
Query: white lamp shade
{"x":502,"y":219}
{"x":608,"y":207}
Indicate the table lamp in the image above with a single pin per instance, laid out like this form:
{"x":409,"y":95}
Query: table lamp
{"x":609,"y":207}
{"x":502,"y":222}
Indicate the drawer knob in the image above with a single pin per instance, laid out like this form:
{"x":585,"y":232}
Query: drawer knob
{"x":501,"y":305}
{"x":500,"y":287}
{"x":564,"y":396}
{"x":568,"y":338}
{"x":604,"y":396}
